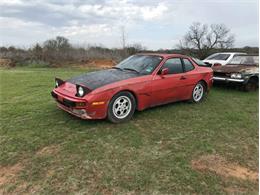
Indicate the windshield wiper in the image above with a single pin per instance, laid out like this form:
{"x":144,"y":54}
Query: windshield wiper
{"x":131,"y":69}
{"x":115,"y":67}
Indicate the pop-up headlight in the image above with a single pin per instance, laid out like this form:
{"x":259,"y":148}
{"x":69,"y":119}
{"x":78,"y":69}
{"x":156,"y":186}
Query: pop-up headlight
{"x":58,"y":82}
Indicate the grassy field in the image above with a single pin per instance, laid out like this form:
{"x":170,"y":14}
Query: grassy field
{"x":47,"y":151}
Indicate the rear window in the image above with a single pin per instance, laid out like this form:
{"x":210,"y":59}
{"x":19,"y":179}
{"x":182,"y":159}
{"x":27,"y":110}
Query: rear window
{"x":187,"y":65}
{"x":220,"y":56}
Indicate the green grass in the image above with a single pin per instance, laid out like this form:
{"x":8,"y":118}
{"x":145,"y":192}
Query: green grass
{"x":152,"y":153}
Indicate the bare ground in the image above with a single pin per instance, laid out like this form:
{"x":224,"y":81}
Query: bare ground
{"x":222,"y":167}
{"x":8,"y":173}
{"x":48,"y":150}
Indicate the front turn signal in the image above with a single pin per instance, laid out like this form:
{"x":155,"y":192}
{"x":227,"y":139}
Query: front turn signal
{"x":97,"y":103}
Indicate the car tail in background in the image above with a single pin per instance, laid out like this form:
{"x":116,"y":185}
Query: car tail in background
{"x":220,"y":59}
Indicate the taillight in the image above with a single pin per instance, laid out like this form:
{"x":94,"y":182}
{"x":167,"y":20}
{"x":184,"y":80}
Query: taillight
{"x":217,"y":64}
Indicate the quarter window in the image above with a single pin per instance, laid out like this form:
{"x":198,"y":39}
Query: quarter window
{"x":174,"y":65}
{"x":188,"y":66}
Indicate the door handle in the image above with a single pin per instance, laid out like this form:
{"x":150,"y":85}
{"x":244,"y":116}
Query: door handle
{"x":183,"y":78}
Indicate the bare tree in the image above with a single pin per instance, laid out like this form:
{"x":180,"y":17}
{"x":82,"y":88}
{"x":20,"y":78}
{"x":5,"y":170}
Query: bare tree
{"x":36,"y":52}
{"x":201,"y":38}
{"x":135,"y":48}
{"x":57,"y":49}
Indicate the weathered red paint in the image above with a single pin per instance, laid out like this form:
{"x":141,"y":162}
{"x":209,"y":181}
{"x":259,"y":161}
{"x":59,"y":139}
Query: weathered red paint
{"x":149,"y":90}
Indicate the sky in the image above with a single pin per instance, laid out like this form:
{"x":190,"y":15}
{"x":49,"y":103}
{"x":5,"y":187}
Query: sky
{"x":155,"y":24}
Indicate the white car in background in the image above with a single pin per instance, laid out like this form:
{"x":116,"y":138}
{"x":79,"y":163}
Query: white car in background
{"x":220,"y":59}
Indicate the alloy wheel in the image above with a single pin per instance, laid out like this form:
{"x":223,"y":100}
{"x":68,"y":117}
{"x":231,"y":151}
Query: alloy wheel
{"x":198,"y":92}
{"x":122,"y":107}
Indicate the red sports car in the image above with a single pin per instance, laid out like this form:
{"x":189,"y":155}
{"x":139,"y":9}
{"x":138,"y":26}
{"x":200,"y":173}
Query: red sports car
{"x":138,"y":82}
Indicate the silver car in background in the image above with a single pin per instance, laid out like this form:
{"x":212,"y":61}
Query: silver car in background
{"x":221,"y":59}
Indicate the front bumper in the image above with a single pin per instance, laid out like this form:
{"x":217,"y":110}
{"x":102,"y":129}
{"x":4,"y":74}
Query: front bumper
{"x":228,"y":79}
{"x":81,"y":113}
{"x":85,"y":108}
{"x":70,"y":106}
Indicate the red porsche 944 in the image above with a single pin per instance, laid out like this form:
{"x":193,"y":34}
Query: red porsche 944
{"x":138,"y":82}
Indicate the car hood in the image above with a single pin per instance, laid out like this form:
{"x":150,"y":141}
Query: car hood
{"x":236,"y":68}
{"x":100,"y":78}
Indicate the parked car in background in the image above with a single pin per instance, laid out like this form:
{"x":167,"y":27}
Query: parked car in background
{"x":242,"y":70}
{"x":220,"y":59}
{"x":139,"y":82}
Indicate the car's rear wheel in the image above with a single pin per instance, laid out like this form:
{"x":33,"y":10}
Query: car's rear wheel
{"x":121,"y":107}
{"x":199,"y":92}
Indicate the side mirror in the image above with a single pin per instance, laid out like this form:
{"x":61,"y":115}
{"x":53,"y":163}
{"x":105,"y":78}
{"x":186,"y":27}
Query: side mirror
{"x":216,"y":64}
{"x":164,"y":71}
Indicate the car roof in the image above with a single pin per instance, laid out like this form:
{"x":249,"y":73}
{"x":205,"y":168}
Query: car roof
{"x":230,"y":53}
{"x":164,"y":55}
{"x":249,"y":55}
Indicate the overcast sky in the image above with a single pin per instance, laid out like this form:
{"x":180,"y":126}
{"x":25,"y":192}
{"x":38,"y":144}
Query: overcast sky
{"x":153,"y":23}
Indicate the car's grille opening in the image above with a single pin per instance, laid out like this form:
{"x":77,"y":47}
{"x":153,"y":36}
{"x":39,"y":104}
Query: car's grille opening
{"x":64,"y":102}
{"x":67,"y":103}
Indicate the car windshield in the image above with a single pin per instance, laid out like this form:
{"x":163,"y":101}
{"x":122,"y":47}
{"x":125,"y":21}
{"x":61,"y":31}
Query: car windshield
{"x":218,"y":56}
{"x":199,"y":62}
{"x":245,"y":60}
{"x":143,"y":64}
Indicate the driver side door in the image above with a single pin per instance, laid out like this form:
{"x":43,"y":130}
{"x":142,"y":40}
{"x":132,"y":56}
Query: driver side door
{"x":168,"y":88}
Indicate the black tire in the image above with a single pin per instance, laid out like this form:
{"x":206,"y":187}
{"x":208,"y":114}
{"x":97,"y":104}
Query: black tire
{"x":202,"y":87}
{"x":251,"y":85}
{"x":125,"y":108}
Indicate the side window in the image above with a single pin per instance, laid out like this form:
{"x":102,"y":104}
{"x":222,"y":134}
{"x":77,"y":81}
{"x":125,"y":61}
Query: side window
{"x":174,"y":65}
{"x":188,"y":66}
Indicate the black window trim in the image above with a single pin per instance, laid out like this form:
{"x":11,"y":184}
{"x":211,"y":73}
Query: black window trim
{"x":183,"y":64}
{"x":183,"y":70}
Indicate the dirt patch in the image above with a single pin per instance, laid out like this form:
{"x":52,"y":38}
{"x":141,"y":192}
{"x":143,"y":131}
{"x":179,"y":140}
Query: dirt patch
{"x":7,"y":174}
{"x":233,"y":190}
{"x":100,"y":63}
{"x":6,"y":63}
{"x":48,"y":150}
{"x":220,"y":166}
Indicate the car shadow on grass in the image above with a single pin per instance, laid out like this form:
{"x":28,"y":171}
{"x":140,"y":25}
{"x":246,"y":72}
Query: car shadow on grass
{"x":232,"y":87}
{"x":152,"y":111}
{"x":166,"y":107}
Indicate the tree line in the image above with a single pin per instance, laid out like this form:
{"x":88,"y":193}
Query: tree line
{"x":59,"y":50}
{"x":200,"y":41}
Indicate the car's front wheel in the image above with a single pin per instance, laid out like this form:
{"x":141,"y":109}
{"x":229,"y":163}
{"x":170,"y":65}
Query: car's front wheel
{"x":121,"y":107}
{"x":251,"y":85}
{"x":199,"y":92}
